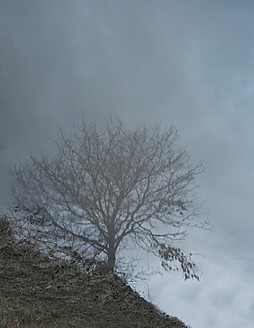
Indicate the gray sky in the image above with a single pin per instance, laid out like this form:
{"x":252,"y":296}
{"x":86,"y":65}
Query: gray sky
{"x":189,"y":62}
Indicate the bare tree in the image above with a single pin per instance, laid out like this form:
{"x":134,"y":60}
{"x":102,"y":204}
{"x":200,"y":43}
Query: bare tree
{"x":104,"y":186}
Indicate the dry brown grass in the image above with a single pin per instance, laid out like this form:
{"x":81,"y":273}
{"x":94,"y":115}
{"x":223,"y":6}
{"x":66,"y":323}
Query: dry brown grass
{"x":37,"y":292}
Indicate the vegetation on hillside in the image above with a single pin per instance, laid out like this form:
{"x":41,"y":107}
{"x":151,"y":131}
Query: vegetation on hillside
{"x":36,"y":292}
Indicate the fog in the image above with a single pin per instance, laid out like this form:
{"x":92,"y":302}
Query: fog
{"x":189,"y":63}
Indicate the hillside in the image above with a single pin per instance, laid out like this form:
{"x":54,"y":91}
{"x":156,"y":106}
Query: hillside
{"x":36,"y":291}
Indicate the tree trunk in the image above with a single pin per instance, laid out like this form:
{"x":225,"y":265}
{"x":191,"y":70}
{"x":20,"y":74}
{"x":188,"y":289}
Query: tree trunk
{"x":111,"y":256}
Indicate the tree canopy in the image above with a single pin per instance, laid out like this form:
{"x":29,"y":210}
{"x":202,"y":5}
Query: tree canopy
{"x":105,"y":185}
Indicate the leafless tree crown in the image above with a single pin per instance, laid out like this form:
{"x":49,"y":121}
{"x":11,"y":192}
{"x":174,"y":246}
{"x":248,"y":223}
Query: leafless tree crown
{"x":105,"y":186}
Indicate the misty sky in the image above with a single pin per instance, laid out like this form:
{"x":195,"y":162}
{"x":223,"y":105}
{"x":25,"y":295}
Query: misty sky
{"x":187,"y":62}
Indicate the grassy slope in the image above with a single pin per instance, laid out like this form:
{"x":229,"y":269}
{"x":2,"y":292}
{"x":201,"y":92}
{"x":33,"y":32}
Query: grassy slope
{"x":38,"y":292}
